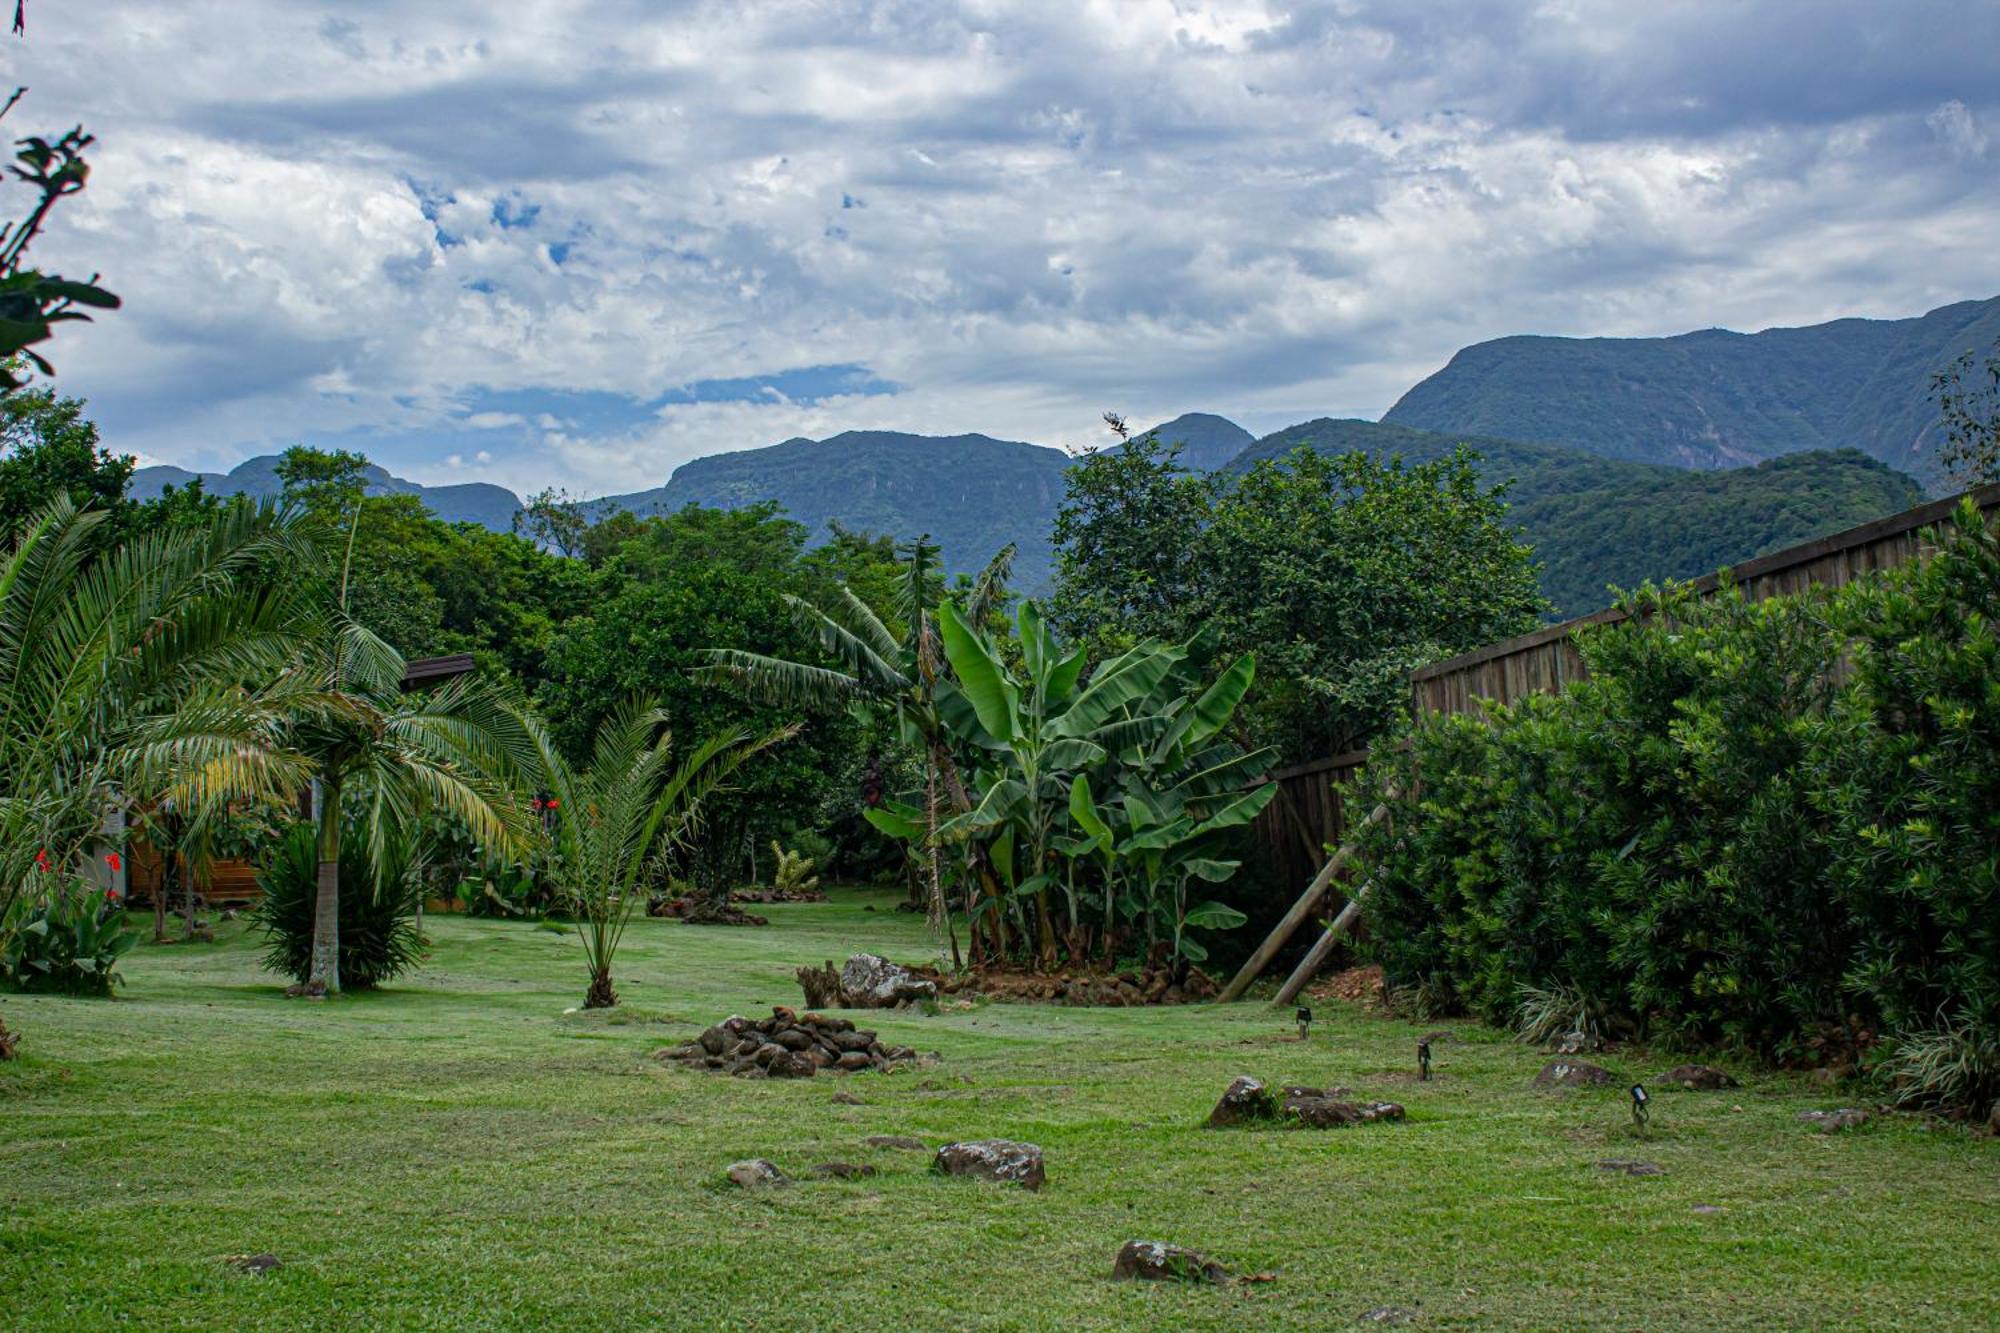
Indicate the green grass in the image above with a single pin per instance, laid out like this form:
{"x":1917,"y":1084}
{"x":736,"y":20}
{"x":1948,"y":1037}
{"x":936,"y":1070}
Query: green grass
{"x":460,"y":1152}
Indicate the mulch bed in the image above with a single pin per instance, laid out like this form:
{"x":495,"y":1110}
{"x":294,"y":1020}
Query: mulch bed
{"x":1357,"y":985}
{"x":1130,"y":988}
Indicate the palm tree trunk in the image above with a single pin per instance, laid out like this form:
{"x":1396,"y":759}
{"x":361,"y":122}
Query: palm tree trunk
{"x":325,"y":976}
{"x":600,"y":995}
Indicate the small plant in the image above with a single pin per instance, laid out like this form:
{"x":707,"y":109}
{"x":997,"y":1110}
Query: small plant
{"x":794,"y":872}
{"x":1954,"y":1067}
{"x":379,"y":939}
{"x":69,"y":942}
{"x":1559,"y":1013}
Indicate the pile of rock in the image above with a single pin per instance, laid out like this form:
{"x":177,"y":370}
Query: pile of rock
{"x":787,"y":1045}
{"x":866,"y":981}
{"x":1247,"y":1101}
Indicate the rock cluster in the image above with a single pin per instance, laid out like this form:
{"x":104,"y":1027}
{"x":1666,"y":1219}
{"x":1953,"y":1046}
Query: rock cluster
{"x":1157,"y":1261}
{"x":1832,"y":1122}
{"x":1248,"y":1101}
{"x":787,"y":1045}
{"x":1700,"y":1078}
{"x":1573,"y":1074}
{"x":1001,"y":1160}
{"x":865,"y":981}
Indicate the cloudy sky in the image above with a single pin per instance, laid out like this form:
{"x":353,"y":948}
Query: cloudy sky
{"x":545,"y":243}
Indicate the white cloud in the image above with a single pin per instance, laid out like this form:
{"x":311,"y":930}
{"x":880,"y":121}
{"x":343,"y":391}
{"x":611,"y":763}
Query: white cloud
{"x":362,"y":226}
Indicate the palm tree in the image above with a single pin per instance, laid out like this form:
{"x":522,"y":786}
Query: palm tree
{"x":145,"y":672}
{"x":457,"y":749}
{"x":634,"y":808}
{"x":877,"y":669}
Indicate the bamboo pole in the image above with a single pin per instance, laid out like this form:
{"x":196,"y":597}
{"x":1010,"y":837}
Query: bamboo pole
{"x":1301,"y":909}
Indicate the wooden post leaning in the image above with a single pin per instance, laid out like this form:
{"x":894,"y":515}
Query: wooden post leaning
{"x":1301,"y":909}
{"x":1316,"y":956}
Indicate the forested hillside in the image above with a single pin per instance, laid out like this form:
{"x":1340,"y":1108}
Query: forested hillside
{"x":1712,"y":398}
{"x":1599,"y":522}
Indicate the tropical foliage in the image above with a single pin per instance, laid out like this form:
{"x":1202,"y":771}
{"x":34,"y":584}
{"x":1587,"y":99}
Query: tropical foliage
{"x":69,"y":940}
{"x":616,"y":827}
{"x":1769,"y":825}
{"x":378,"y":937}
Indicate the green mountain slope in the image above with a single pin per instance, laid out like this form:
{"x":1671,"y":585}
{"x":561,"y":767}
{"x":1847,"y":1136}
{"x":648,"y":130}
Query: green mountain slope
{"x":1712,"y":398}
{"x":971,"y":493}
{"x":1596,"y":522}
{"x":1208,"y":442}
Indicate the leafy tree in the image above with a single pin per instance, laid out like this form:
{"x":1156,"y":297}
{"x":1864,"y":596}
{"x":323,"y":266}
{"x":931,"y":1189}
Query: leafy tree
{"x":48,"y":448}
{"x":1968,"y":398}
{"x":1129,"y":542}
{"x":551,"y":519}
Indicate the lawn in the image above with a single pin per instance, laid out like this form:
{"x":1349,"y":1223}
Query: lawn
{"x":459,"y":1151}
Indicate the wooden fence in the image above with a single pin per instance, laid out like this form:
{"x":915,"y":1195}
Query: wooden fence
{"x":1290,"y":837}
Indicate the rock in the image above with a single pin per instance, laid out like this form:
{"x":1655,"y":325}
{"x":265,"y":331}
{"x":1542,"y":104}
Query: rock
{"x":1156,"y":1261}
{"x":766,"y":1052}
{"x":1335,"y":1093}
{"x":908,"y":1053}
{"x":1576,"y":1043}
{"x":1832,"y":1122}
{"x":792,"y":1039}
{"x":1243,"y":1101}
{"x":1706,"y":1209}
{"x":1319,"y":1112}
{"x":901,"y":1141}
{"x":754,"y":1173}
{"x":714,"y":1040}
{"x":854,"y":1060}
{"x":1632,"y":1168}
{"x":870,"y":981}
{"x":1700,"y":1078}
{"x":258,"y":1264}
{"x":844,"y":1170}
{"x":1388,"y":1314}
{"x":792,"y":1064}
{"x":854,"y":1041}
{"x":1572,"y":1074}
{"x":1001,"y":1160}
{"x":846,"y":1099}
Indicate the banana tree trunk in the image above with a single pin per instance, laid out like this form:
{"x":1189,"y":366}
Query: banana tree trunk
{"x":324,"y":978}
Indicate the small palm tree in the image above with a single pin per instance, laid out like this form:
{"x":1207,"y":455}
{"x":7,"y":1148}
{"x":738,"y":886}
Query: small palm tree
{"x":142,"y":673}
{"x":458,"y":749}
{"x":613,"y":827}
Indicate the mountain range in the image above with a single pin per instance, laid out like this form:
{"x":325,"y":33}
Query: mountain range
{"x":1629,"y":458}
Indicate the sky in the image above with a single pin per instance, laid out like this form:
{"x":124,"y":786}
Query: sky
{"x":577,"y":244}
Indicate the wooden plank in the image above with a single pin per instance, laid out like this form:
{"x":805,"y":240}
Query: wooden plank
{"x":1300,"y":910}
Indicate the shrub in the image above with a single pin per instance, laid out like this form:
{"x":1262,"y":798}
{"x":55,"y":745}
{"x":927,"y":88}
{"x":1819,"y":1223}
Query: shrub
{"x":378,"y":932}
{"x":68,"y":942}
{"x":1768,"y":825}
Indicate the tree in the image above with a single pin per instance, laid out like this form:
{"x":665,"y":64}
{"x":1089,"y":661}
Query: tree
{"x":32,"y":303}
{"x":1968,"y":399}
{"x":618,"y":824}
{"x":552,"y":520}
{"x":138,"y":674}
{"x":1129,"y":546}
{"x":48,"y":448}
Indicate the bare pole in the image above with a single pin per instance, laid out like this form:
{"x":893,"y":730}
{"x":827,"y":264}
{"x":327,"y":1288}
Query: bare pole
{"x":1301,"y":909}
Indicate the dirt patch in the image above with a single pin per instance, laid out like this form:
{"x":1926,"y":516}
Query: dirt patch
{"x":1357,"y":985}
{"x":703,"y":912}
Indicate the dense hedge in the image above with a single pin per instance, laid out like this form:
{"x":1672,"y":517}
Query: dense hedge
{"x":1774,"y":826}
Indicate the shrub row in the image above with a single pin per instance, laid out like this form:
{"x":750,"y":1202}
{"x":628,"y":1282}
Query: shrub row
{"x":1774,"y":826}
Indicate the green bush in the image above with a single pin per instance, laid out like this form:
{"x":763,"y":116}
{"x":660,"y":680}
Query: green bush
{"x":1770,"y":826}
{"x":67,"y":942}
{"x":378,"y":931}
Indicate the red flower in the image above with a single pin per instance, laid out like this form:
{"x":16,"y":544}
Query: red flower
{"x":112,"y":861}
{"x":111,"y":895}
{"x":42,"y":858}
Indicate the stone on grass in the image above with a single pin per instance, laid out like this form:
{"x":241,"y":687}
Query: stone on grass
{"x":847,"y":1099}
{"x":1157,"y":1261}
{"x":1002,"y":1160}
{"x":1573,"y":1074}
{"x":755,"y":1172}
{"x":257,"y":1264}
{"x":844,"y":1170}
{"x":900,"y":1141}
{"x":1632,"y":1168}
{"x":1388,"y":1314}
{"x":791,"y":1064}
{"x":1832,"y":1122}
{"x":870,"y":981}
{"x":1243,"y":1101}
{"x":1700,"y":1078}
{"x":1319,"y":1112}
